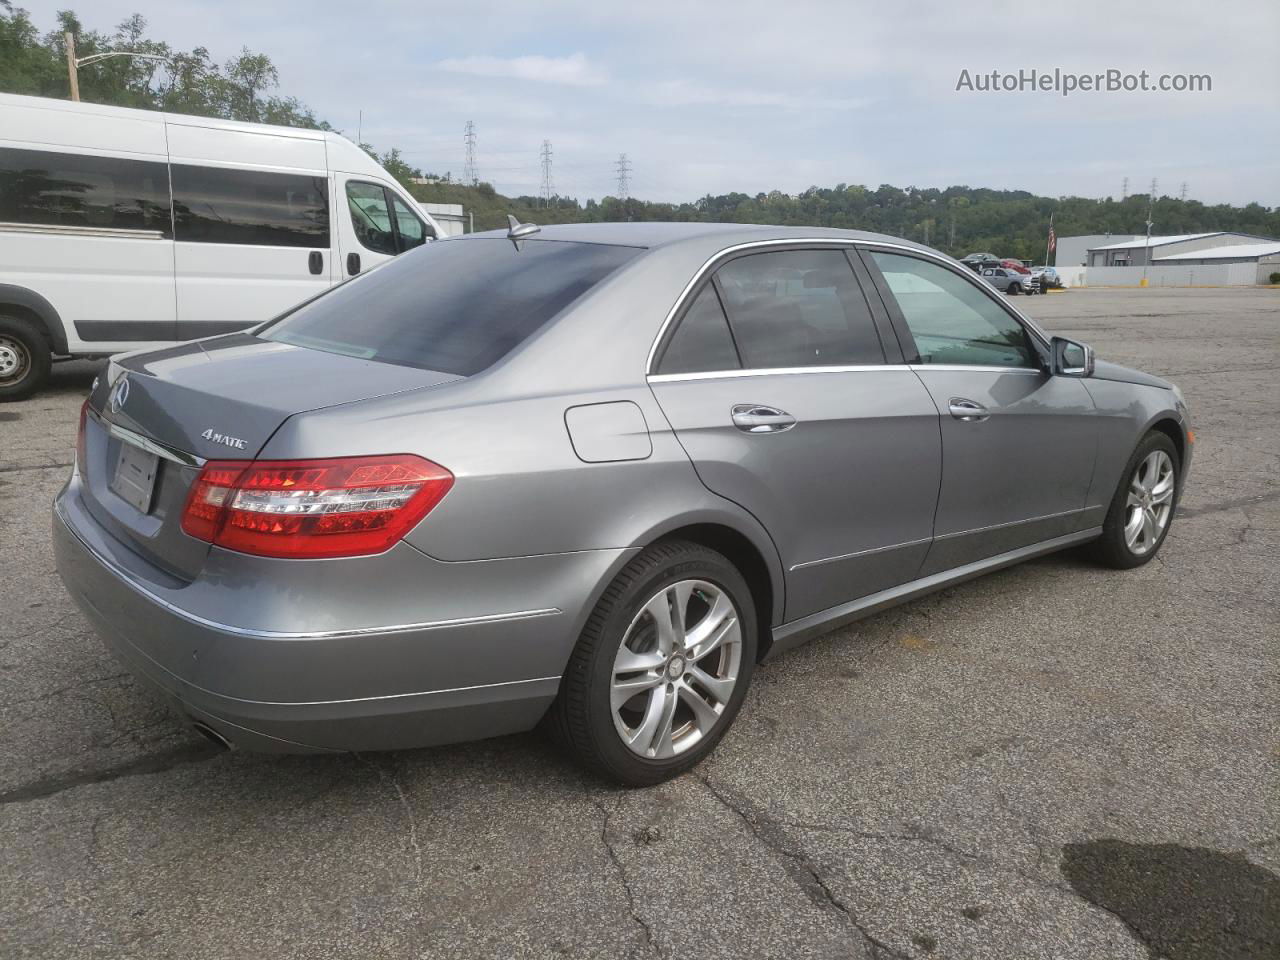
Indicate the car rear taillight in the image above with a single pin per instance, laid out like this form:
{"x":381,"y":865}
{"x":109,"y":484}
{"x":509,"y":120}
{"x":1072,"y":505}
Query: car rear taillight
{"x":345,"y":507}
{"x":81,"y":443}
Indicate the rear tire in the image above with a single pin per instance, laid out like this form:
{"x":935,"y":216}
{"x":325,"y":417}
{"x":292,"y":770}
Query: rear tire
{"x":24,"y":358}
{"x":1149,"y":489}
{"x":1014,"y":289}
{"x":636,"y":711}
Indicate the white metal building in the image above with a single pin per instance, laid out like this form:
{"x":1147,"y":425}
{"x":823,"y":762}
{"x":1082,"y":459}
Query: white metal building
{"x":1265,"y":255}
{"x":1138,"y":251}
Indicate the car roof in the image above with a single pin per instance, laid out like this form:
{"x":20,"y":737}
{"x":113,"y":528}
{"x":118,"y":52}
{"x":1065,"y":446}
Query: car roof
{"x":650,"y":234}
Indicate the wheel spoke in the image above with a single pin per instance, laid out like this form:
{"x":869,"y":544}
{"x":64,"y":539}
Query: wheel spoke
{"x":663,"y":617}
{"x":704,"y":714}
{"x":642,"y":737}
{"x":628,"y":661}
{"x":720,"y":689}
{"x":661,"y":745}
{"x":623,"y":690}
{"x":1133,"y":527}
{"x":1149,"y":526}
{"x":721,"y":609}
{"x":1150,"y":469}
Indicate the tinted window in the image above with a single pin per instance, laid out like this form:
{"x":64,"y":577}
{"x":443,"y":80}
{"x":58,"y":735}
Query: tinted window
{"x":367,"y":203}
{"x":952,"y":320}
{"x":457,"y":306}
{"x":220,"y":205}
{"x":798,"y":308}
{"x":413,"y":232}
{"x":701,"y":341}
{"x":72,"y":190}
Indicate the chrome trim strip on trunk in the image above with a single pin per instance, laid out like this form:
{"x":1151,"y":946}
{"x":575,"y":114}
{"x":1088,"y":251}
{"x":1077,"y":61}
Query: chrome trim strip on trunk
{"x":60,"y":230}
{"x":162,"y":450}
{"x":123,"y":576}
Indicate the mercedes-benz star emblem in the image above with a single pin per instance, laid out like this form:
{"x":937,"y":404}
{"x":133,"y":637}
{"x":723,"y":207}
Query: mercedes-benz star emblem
{"x":119,"y":395}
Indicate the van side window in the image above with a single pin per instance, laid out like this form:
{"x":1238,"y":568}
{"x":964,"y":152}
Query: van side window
{"x":222,"y":205}
{"x":413,"y":232}
{"x":43,"y":188}
{"x":367,"y":203}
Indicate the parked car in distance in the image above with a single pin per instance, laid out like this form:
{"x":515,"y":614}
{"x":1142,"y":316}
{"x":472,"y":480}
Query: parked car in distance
{"x":125,"y":229}
{"x":592,"y":474}
{"x":1008,"y":281}
{"x":1017,"y":266}
{"x":1047,"y":277}
{"x":976,"y":261}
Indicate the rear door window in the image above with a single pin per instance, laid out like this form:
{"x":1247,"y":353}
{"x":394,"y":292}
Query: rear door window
{"x":798,"y":308}
{"x":227,"y":205}
{"x":702,"y":342}
{"x":455,"y":307}
{"x":46,"y":188}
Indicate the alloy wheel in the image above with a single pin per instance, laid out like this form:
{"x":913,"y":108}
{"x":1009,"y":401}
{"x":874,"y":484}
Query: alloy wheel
{"x":1149,"y":504}
{"x":676,"y":669}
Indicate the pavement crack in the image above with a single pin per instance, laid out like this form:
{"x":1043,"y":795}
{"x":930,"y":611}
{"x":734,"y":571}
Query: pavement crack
{"x":649,"y":939}
{"x":805,"y":872}
{"x":150,"y":763}
{"x":390,"y":778}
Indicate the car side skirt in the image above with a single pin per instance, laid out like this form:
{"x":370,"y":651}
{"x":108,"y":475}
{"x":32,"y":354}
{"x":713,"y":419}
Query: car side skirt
{"x":788,"y":636}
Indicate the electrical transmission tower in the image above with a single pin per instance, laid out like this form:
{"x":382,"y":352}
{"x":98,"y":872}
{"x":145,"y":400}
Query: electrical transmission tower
{"x":548,"y":190}
{"x":1124,"y":189}
{"x":1182,"y":194}
{"x":469,"y":175}
{"x":1155,"y":185}
{"x":624,"y":176}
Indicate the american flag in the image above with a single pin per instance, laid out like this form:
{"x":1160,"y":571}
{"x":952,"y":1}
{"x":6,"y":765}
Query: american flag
{"x":1053,"y":241}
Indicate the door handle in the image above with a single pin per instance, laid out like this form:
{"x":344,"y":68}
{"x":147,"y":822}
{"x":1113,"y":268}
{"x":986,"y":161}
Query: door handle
{"x":967,"y":410}
{"x":315,"y":262}
{"x":757,"y":418}
{"x":353,"y":263}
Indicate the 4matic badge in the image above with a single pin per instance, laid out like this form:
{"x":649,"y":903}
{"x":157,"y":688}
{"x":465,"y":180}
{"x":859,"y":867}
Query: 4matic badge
{"x":234,"y":442}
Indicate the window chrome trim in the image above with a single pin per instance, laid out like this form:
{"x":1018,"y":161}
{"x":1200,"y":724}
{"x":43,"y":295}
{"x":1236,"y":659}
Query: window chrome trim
{"x":772,"y":371}
{"x":816,"y":243}
{"x":64,"y":230}
{"x":162,"y":450}
{"x":973,"y":367}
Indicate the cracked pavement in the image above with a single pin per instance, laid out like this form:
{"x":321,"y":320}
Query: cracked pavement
{"x":902,"y":788}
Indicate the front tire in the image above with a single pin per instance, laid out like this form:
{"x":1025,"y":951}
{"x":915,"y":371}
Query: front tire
{"x":1014,"y":289}
{"x":661,"y":668}
{"x":1142,"y":508}
{"x":24,"y":358}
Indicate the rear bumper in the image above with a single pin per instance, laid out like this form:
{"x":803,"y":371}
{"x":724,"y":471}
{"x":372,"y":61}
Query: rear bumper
{"x":392,"y":682}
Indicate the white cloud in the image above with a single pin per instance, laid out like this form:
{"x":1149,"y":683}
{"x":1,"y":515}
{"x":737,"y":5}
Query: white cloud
{"x":686,"y":93}
{"x":574,"y":70}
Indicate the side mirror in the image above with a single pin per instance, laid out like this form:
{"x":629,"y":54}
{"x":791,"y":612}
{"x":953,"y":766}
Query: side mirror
{"x":1070,"y":358}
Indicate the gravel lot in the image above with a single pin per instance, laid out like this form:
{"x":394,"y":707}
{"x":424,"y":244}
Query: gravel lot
{"x":1053,"y":761}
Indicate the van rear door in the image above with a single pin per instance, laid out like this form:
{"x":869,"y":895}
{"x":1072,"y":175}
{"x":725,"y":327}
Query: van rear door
{"x":252,"y":224}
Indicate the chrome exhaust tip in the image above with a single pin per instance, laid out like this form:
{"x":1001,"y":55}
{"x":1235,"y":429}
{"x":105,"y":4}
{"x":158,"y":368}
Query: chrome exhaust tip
{"x":212,"y":735}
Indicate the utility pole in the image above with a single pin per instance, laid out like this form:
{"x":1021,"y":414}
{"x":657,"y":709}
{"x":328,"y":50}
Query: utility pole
{"x":547,"y":190}
{"x":469,"y":176}
{"x":926,"y":231}
{"x":1146,"y":258}
{"x":74,"y":63}
{"x":73,"y":71}
{"x":624,"y":176}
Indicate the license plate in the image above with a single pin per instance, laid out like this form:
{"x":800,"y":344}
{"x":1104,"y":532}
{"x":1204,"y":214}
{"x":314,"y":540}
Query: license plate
{"x":135,"y":476}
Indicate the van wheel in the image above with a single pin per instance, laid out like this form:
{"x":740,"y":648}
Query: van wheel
{"x":24,"y":358}
{"x":661,"y":668}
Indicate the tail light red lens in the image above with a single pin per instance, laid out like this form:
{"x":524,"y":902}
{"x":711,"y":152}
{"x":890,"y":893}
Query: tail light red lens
{"x":346,"y":507}
{"x":81,"y":443}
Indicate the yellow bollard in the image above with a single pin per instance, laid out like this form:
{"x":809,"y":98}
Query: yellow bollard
{"x":1142,"y":282}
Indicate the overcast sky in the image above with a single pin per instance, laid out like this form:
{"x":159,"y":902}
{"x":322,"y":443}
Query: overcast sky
{"x":710,"y":97}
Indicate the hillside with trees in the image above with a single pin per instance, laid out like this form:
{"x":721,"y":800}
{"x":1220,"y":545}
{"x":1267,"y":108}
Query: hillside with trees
{"x":957,"y":219}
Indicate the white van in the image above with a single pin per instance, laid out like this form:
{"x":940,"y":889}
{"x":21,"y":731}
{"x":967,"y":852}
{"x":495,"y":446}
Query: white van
{"x":124,"y":229}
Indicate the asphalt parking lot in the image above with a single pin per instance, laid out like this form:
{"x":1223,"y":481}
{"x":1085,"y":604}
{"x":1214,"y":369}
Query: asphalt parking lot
{"x":1054,"y":761}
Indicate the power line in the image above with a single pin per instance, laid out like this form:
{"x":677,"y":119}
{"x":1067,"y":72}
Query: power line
{"x":548,"y":190}
{"x":469,"y":174}
{"x":624,"y":176}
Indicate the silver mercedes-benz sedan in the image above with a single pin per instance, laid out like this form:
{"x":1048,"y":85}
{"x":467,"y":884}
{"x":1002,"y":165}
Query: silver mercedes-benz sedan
{"x":591,"y":475}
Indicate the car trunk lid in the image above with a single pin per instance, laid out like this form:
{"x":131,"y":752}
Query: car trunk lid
{"x":165,"y":412}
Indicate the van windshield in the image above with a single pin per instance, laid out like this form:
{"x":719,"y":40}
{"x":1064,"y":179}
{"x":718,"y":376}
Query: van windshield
{"x":456,"y":306}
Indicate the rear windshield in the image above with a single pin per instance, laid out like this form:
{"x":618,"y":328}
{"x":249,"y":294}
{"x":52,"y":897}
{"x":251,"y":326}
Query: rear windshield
{"x":456,"y":306}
